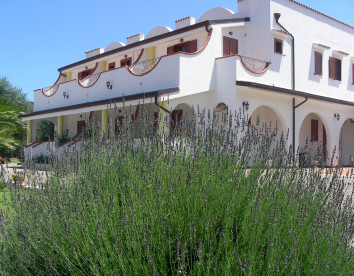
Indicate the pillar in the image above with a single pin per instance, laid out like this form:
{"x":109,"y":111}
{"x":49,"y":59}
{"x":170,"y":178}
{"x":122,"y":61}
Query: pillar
{"x":151,"y":56}
{"x":29,"y":132}
{"x":60,"y":125}
{"x":68,"y":76}
{"x":104,"y":119}
{"x":163,"y":119}
{"x":103,"y":66}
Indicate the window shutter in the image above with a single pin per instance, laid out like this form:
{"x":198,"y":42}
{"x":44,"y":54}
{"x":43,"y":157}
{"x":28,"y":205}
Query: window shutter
{"x":318,"y":63}
{"x":324,"y":143}
{"x":314,"y":130}
{"x":226,"y":46}
{"x":332,"y":68}
{"x":338,"y":69}
{"x":170,"y":50}
{"x":233,"y":46}
{"x":193,"y":46}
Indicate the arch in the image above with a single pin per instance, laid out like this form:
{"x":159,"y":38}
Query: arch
{"x":182,"y":120}
{"x":216,"y":13}
{"x":158,"y":31}
{"x":265,"y":115}
{"x":114,"y":45}
{"x":220,"y":113}
{"x":346,"y":143}
{"x":313,"y":140}
{"x":45,"y":130}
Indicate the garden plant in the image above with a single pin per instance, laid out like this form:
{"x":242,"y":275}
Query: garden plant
{"x":209,"y":197}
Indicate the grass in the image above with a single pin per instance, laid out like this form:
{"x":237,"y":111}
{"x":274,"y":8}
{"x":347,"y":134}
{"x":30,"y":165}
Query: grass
{"x":180,"y":205}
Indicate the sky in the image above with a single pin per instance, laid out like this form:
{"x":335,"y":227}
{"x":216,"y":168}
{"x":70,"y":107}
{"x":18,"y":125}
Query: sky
{"x":39,"y":36}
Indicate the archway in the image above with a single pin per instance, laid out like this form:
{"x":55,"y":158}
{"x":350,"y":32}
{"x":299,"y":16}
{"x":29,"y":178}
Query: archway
{"x":313,"y":141}
{"x":45,"y":131}
{"x":346,"y":143}
{"x":220,"y":114}
{"x":267,"y":123}
{"x":182,"y":120}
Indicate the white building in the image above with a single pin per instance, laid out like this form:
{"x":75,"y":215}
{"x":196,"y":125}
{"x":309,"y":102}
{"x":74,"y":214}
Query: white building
{"x":282,"y":61}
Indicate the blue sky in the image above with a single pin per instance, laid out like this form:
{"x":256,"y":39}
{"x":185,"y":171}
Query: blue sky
{"x":39,"y":36}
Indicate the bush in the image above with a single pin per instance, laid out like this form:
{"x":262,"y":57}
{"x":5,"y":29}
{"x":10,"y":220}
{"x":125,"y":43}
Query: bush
{"x":181,"y":206}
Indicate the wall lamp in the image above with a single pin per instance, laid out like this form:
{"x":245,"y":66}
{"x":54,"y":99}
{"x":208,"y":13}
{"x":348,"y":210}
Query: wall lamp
{"x":125,"y":56}
{"x":181,"y":40}
{"x":337,"y":116}
{"x":109,"y":85}
{"x":66,"y":95}
{"x":245,"y":105}
{"x":231,"y":33}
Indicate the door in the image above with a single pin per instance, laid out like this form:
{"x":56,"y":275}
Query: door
{"x":80,"y":126}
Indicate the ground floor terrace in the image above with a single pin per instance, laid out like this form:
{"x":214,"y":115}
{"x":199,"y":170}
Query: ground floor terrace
{"x":322,"y":132}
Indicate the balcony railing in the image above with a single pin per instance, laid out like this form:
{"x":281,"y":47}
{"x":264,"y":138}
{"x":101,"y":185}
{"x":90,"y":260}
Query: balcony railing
{"x":90,"y":80}
{"x":142,"y":67}
{"x":254,"y":65}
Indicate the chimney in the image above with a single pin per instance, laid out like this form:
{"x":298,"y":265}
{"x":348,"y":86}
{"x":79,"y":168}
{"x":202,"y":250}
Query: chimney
{"x":184,"y":22}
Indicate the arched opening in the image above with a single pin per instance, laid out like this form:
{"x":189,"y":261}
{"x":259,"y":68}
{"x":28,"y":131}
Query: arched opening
{"x":312,"y":141}
{"x":182,"y":120}
{"x":268,"y":125}
{"x":220,"y":114}
{"x":45,"y":131}
{"x":346,"y":143}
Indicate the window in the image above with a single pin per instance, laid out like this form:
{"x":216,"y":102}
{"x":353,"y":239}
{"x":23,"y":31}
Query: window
{"x":335,"y":69}
{"x":176,"y":117}
{"x":111,"y":65}
{"x":126,"y":62}
{"x":84,"y":74}
{"x":318,"y":63}
{"x":314,"y":130}
{"x":278,"y":46}
{"x":230,"y":46}
{"x":187,"y":47}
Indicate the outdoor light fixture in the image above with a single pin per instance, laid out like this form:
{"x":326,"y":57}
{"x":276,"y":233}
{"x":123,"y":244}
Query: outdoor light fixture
{"x":181,"y":40}
{"x":337,"y":116}
{"x":125,"y":56}
{"x":66,"y":95}
{"x":246,"y":105}
{"x":109,"y":85}
{"x":231,"y":33}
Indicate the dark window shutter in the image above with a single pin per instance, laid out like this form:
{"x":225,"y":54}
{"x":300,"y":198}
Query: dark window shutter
{"x":80,"y":126}
{"x":332,"y":68}
{"x":324,"y":143}
{"x":111,"y":65}
{"x":338,"y":69}
{"x":318,"y":63}
{"x":233,"y":46}
{"x":193,"y":46}
{"x":278,"y":46}
{"x":226,"y":46}
{"x":314,"y":130}
{"x":170,"y":50}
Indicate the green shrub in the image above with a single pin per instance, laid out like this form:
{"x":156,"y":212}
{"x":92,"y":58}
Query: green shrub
{"x":181,"y":206}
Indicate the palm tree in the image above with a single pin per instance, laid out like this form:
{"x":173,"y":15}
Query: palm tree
{"x":11,"y":127}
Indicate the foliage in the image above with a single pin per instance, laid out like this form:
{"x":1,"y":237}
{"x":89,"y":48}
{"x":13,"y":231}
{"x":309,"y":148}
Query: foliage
{"x":166,"y":206}
{"x":63,"y":137}
{"x":11,"y":127}
{"x":45,"y":131}
{"x":15,"y":95}
{"x":41,"y":159}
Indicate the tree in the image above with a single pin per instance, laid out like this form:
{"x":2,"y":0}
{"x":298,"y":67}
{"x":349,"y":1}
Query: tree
{"x":11,"y":128}
{"x":45,"y":131}
{"x":14,"y":95}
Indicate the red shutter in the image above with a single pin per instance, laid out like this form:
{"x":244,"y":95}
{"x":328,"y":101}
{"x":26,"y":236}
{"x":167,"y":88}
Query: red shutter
{"x":318,"y":63}
{"x":338,"y":69}
{"x":193,"y":46}
{"x":226,"y":46}
{"x":233,"y":46}
{"x":80,"y":126}
{"x":314,"y":130}
{"x":332,"y":68}
{"x":170,"y":50}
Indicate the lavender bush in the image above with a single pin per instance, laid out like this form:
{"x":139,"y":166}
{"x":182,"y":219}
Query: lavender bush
{"x":185,"y":203}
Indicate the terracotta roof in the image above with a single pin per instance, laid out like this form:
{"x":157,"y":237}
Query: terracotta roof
{"x":322,"y":46}
{"x":92,"y":50}
{"x":133,"y":35}
{"x":342,"y":53}
{"x":280,"y":31}
{"x":182,"y":19}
